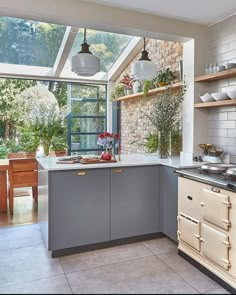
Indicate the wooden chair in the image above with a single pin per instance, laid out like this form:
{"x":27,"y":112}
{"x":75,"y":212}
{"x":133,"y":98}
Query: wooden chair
{"x":22,"y":173}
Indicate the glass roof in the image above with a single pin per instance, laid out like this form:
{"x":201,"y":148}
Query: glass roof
{"x":106,"y":46}
{"x":28,"y":42}
{"x":36,"y":49}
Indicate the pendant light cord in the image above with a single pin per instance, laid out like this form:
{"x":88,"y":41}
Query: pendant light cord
{"x":85,"y":39}
{"x":144,"y":41}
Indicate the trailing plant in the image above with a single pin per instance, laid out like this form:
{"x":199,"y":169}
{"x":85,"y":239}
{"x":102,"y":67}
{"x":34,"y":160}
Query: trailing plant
{"x":117,"y":92}
{"x":148,"y":84}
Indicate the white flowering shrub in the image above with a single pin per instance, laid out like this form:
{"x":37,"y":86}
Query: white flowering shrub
{"x":42,"y":113}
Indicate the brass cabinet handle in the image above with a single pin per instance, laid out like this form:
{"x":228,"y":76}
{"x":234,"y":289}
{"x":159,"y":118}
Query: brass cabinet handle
{"x":117,"y":170}
{"x":82,"y":173}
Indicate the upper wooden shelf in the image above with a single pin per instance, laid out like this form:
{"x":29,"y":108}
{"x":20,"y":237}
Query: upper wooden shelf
{"x":213,"y":104}
{"x":175,"y":86}
{"x":217,"y":76}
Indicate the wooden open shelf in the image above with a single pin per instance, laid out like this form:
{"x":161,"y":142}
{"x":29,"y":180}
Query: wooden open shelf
{"x":217,"y":76}
{"x":230,"y":102}
{"x":175,"y":86}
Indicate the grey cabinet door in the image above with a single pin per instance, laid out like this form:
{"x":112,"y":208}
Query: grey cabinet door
{"x":134,"y":201}
{"x":169,"y":202}
{"x":79,"y":208}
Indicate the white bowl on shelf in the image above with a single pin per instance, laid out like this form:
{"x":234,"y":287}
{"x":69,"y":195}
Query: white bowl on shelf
{"x":206,"y":97}
{"x":231,"y":94}
{"x":218,"y":96}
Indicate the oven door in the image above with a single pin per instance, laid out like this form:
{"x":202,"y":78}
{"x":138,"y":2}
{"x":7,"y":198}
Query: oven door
{"x":215,"y":208}
{"x":189,"y":231}
{"x":215,"y":246}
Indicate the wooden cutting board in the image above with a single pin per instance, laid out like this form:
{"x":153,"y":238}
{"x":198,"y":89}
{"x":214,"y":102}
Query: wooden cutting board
{"x":95,"y":161}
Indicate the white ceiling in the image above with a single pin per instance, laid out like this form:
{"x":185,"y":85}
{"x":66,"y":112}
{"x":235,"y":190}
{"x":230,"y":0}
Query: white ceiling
{"x":205,"y":12}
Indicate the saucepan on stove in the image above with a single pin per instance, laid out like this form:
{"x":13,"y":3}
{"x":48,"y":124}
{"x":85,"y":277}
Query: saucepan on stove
{"x":231,"y":171}
{"x":217,"y":168}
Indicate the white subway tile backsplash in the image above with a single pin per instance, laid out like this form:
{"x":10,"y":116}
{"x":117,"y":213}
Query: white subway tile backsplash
{"x":222,"y":120}
{"x":222,"y":124}
{"x":218,"y":116}
{"x":231,"y":132}
{"x":218,"y":133}
{"x":227,"y":109}
{"x":231,"y":116}
{"x":232,"y":150}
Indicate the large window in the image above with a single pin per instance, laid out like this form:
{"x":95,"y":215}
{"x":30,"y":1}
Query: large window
{"x":88,"y":116}
{"x":26,"y":42}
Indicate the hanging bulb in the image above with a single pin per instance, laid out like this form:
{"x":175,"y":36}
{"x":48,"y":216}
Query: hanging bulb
{"x":143,"y":69}
{"x":84,"y":63}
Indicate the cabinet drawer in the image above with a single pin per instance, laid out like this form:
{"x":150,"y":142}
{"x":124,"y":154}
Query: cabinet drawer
{"x":215,"y":246}
{"x":215,"y":208}
{"x":189,"y":231}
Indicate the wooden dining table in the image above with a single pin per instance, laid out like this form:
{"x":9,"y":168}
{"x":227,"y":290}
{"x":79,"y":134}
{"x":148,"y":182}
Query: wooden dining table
{"x":4,"y":166}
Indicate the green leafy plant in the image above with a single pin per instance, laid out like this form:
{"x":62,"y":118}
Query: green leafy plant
{"x":152,"y":142}
{"x":165,"y":115}
{"x":148,"y":84}
{"x":117,"y":92}
{"x":12,"y":145}
{"x":29,"y":140}
{"x":59,"y":143}
{"x":165,"y":77}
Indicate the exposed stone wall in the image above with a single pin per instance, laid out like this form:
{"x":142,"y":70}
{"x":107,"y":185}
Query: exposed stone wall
{"x":135,"y":126}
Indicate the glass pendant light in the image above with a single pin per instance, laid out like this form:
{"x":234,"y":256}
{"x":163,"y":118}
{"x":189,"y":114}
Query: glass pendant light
{"x":84,"y":63}
{"x":143,"y":69}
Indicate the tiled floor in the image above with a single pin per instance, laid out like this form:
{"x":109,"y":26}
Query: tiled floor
{"x":25,"y":212}
{"x":148,"y":267}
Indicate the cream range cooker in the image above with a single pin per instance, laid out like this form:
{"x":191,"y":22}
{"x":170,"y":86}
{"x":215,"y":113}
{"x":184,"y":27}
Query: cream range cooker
{"x":207,"y":223}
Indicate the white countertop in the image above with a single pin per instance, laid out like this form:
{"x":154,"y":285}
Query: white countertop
{"x":49,"y":163}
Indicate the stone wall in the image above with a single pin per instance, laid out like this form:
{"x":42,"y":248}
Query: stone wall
{"x":135,"y":126}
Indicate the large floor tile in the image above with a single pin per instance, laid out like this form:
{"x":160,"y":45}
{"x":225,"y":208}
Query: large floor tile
{"x":198,"y":280}
{"x":27,"y":264}
{"x":175,"y":262}
{"x":142,"y":275}
{"x":102,"y":257}
{"x":52,"y":285}
{"x":159,"y":246}
{"x":218,"y":291}
{"x":19,"y":237}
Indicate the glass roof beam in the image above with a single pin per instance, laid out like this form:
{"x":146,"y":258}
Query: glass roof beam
{"x":64,"y":51}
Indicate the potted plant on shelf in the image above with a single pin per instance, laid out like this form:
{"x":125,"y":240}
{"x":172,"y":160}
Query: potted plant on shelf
{"x":164,"y":78}
{"x":117,"y":92}
{"x":127,"y":81}
{"x":59,"y":145}
{"x":29,"y":141}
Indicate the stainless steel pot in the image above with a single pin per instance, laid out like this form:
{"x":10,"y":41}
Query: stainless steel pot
{"x":231,"y":171}
{"x":216,"y":168}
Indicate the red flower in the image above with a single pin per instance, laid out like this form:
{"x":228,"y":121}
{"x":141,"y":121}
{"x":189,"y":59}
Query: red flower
{"x":117,"y":136}
{"x":102,"y":135}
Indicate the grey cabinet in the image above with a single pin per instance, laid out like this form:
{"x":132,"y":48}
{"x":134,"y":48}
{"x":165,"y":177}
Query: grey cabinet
{"x":169,"y":202}
{"x":79,"y":208}
{"x":134,"y":201}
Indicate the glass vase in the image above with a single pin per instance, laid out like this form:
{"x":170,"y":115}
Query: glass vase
{"x":164,"y":144}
